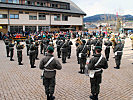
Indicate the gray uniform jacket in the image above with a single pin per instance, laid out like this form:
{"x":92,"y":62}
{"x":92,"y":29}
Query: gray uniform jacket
{"x":55,"y":64}
{"x":119,"y":47}
{"x":102,"y":64}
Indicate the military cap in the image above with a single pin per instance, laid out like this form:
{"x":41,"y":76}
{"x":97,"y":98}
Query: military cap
{"x":31,"y":40}
{"x":83,"y":41}
{"x":98,"y":47}
{"x":18,"y":40}
{"x":59,"y":37}
{"x":10,"y":39}
{"x":49,"y":37}
{"x":119,"y":40}
{"x":44,"y":36}
{"x":51,"y":49}
{"x":68,"y":37}
{"x":48,"y":41}
{"x":63,"y":38}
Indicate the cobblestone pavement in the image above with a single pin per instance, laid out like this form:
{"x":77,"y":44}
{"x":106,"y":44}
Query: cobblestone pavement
{"x":24,"y":83}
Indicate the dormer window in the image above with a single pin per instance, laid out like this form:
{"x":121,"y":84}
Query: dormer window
{"x":38,"y":3}
{"x":54,"y":5}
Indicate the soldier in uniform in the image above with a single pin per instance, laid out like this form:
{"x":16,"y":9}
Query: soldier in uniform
{"x":118,"y":50}
{"x":32,"y":55}
{"x":27,"y":46}
{"x":78,"y":43}
{"x":49,"y":64}
{"x":41,"y":46}
{"x":11,"y":48}
{"x":58,"y":43}
{"x":94,"y":42}
{"x":19,"y":52}
{"x":131,"y":37}
{"x":107,"y":48}
{"x":69,"y":47}
{"x":64,"y":48}
{"x":36,"y":51}
{"x":89,"y":42}
{"x":7,"y":47}
{"x":95,"y":66}
{"x":82,"y":50}
{"x":46,"y":44}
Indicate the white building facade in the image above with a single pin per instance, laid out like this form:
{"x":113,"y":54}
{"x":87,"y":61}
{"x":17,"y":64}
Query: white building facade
{"x":39,"y":15}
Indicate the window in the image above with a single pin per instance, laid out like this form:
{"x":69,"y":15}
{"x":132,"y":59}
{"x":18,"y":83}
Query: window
{"x":41,"y":4}
{"x":43,"y":28}
{"x":63,"y":6}
{"x":17,"y":29}
{"x":38,"y":3}
{"x":16,"y":1}
{"x":30,"y":28}
{"x":54,"y":5}
{"x":75,"y":15}
{"x":20,"y":12}
{"x":10,"y":1}
{"x":3,"y":0}
{"x":14,"y":16}
{"x":44,"y":4}
{"x":64,"y":18}
{"x":33,"y":3}
{"x":57,"y":17}
{"x":42,"y":16}
{"x":3,"y":16}
{"x":31,"y":17}
{"x":27,"y":2}
{"x":26,"y":12}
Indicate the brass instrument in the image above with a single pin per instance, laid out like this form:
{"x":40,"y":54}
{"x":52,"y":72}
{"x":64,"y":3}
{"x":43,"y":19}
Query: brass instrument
{"x":113,"y":41}
{"x":131,"y":37}
{"x":79,"y":42}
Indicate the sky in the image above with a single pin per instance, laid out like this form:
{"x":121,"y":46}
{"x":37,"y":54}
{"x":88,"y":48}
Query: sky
{"x":93,"y":7}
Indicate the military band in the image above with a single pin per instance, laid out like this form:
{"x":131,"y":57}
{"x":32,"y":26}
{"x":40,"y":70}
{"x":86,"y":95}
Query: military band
{"x":63,"y":46}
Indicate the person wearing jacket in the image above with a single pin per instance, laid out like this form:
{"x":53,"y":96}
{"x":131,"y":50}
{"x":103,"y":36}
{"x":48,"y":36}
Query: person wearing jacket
{"x":118,"y":50}
{"x":97,"y":63}
{"x":49,"y":72}
{"x":82,"y":51}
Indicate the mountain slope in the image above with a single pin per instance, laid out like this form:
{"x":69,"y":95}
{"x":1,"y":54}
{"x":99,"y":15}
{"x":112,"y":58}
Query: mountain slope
{"x":102,"y":17}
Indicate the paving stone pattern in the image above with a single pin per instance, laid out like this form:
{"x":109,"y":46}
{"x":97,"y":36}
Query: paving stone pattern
{"x":24,"y":83}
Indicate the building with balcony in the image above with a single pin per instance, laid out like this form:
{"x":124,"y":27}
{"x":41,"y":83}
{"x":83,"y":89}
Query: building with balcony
{"x":39,"y":15}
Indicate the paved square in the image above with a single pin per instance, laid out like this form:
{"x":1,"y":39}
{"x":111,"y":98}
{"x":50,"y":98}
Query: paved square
{"x":24,"y":83}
